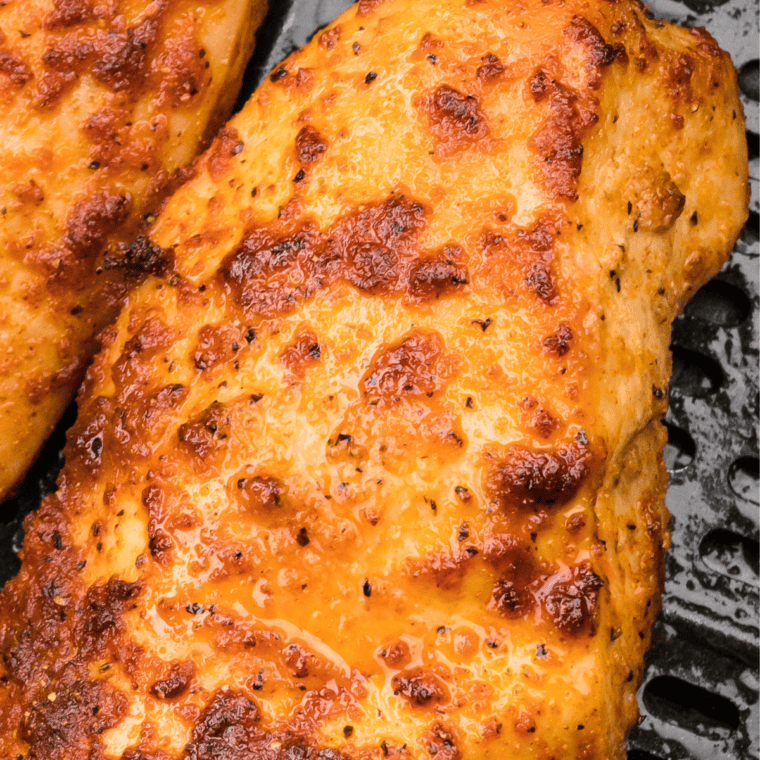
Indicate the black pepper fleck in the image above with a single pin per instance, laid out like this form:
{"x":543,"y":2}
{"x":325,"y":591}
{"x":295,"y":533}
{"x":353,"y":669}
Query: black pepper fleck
{"x":484,"y":323}
{"x":462,"y":493}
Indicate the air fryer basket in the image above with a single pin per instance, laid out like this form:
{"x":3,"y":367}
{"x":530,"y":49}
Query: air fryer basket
{"x":699,"y":700}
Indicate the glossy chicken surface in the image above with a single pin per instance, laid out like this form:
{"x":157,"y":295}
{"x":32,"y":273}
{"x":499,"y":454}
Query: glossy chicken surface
{"x":102,"y":104}
{"x":372,"y":466}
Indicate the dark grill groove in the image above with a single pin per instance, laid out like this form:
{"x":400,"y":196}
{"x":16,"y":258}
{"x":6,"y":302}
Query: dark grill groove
{"x":690,"y":707}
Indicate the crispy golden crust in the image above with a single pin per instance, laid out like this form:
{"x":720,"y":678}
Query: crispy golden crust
{"x":102,"y":105}
{"x":374,"y":467}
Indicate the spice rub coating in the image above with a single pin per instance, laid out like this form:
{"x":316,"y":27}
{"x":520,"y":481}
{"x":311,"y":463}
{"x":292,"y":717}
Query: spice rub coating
{"x":104,"y":105}
{"x":370,"y":465}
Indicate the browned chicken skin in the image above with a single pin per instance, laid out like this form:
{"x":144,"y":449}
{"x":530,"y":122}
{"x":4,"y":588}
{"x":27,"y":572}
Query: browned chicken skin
{"x":372,"y":466}
{"x":102,"y":104}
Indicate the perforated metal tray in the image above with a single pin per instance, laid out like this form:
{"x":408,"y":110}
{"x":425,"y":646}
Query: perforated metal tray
{"x":700,"y":696}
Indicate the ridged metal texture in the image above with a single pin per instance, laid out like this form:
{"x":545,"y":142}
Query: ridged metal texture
{"x":700,"y":696}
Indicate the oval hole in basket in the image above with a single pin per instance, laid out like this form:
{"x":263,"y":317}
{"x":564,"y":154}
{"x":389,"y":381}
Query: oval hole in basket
{"x":743,"y":477}
{"x":704,"y":6}
{"x":749,"y":79}
{"x":679,"y":450}
{"x":751,"y":229}
{"x":694,"y":374}
{"x":9,"y":562}
{"x":720,"y":303}
{"x":730,"y":554}
{"x":640,"y":754}
{"x":691,"y":707}
{"x":753,"y":145}
{"x":9,"y":510}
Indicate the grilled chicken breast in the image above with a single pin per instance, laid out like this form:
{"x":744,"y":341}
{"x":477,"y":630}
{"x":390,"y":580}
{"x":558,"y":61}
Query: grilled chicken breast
{"x":101,"y":105}
{"x":371,"y":467}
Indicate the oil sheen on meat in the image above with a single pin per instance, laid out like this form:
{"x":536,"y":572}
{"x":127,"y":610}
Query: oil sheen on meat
{"x":101,"y":105}
{"x":372,"y":467}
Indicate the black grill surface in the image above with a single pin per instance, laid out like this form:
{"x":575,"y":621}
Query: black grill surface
{"x":699,"y":700}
